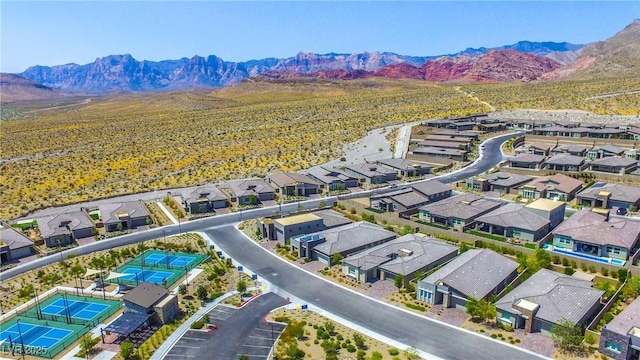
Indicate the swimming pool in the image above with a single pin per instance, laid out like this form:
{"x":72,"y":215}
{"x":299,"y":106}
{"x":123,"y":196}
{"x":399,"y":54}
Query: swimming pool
{"x":589,"y":257}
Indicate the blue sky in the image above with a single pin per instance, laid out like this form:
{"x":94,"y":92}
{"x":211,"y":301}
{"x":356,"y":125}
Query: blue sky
{"x":54,"y":33}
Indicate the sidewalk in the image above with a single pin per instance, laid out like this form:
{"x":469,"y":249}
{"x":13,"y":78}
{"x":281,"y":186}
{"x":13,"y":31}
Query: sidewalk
{"x":167,"y":212}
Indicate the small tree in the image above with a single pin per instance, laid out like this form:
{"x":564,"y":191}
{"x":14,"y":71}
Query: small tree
{"x":242,"y":286}
{"x":182,"y":289}
{"x":567,"y":336}
{"x":336,"y":259}
{"x":399,"y":281}
{"x":358,"y":340}
{"x":330,"y":327}
{"x":472,"y":307}
{"x":126,"y":350}
{"x":201,"y":292}
{"x":292,"y":352}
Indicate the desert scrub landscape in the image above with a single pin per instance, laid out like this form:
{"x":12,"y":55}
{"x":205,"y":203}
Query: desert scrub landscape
{"x":144,"y":142}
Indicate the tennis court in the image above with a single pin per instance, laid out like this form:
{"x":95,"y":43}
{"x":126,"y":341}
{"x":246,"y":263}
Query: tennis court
{"x":40,"y":338}
{"x":34,"y":335}
{"x":153,"y":276}
{"x":82,"y":310}
{"x":168,"y":260}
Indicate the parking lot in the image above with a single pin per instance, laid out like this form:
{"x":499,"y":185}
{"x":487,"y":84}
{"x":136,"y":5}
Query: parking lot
{"x":239,"y":332}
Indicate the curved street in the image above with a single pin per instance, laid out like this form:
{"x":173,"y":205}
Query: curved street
{"x":439,"y":339}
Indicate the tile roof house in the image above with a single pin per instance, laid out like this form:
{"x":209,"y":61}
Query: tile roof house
{"x":13,"y":245}
{"x":332,"y":178}
{"x":204,"y":199}
{"x":344,"y":240}
{"x":477,"y":273}
{"x":546,"y":298}
{"x":609,"y":196}
{"x":469,"y":135}
{"x":406,"y":168}
{"x":287,"y":227}
{"x":620,"y":338}
{"x":526,"y":161}
{"x":576,"y":150}
{"x":407,"y":201}
{"x":457,"y":211}
{"x":605,"y":151}
{"x":251,"y":191}
{"x":514,"y":221}
{"x":598,"y":235}
{"x":558,"y":186}
{"x":63,"y":229}
{"x":538,"y":149}
{"x":498,"y":181}
{"x":614,"y":165}
{"x":293,"y":184}
{"x":124,"y":215}
{"x":565,"y":162}
{"x":371,"y":173}
{"x":406,"y":256}
{"x":454,"y":154}
{"x":151,"y":300}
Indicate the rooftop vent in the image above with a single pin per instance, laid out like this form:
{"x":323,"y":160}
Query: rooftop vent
{"x":404,"y":252}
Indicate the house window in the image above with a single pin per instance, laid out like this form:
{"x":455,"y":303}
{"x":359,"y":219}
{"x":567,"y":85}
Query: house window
{"x":516,"y":232}
{"x":352,"y":271}
{"x":395,"y":207}
{"x":612,"y":346}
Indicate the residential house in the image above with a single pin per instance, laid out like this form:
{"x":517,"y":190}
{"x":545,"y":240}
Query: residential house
{"x":332,"y":178}
{"x":538,"y":149}
{"x":344,"y":240}
{"x":151,"y":300}
{"x":13,"y":245}
{"x":293,"y":184}
{"x":546,"y":298}
{"x":503,"y":182}
{"x":565,"y":162}
{"x":204,"y":199}
{"x":405,"y":168}
{"x":620,"y":338}
{"x":614,"y":165}
{"x":634,"y":133}
{"x":526,"y":161}
{"x":463,"y":146}
{"x":462,"y":126}
{"x":549,"y":209}
{"x":464,"y":142}
{"x":290,"y":226}
{"x":457,"y":211}
{"x":558,"y":187}
{"x":492,"y":127}
{"x":407,"y":201}
{"x":609,"y":196}
{"x":605,"y":151}
{"x":476,"y":273}
{"x":595,"y":234}
{"x":608,"y":133}
{"x":251,"y":192}
{"x":514,"y":221}
{"x":63,"y":229}
{"x":124,"y":215}
{"x":632,"y":154}
{"x":371,"y":173}
{"x":454,"y":154}
{"x":406,"y":256}
{"x":575,"y":150}
{"x":439,"y":123}
{"x":469,"y":135}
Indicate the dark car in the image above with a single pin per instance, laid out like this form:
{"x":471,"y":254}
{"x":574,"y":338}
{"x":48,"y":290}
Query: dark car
{"x":621,"y":211}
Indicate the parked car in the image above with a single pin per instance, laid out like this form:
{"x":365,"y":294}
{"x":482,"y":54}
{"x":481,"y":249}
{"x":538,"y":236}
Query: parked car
{"x":621,"y":211}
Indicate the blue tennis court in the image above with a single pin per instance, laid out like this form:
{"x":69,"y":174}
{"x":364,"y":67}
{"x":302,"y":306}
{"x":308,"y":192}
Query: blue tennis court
{"x":34,"y":335}
{"x":153,"y":276}
{"x":171,"y":260}
{"x":77,"y":309}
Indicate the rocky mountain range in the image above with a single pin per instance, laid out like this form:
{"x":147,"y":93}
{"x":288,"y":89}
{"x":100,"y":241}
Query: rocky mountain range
{"x":523,"y":61}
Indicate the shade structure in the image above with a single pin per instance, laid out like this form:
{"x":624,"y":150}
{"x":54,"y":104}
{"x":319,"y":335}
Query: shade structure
{"x":91,"y":272}
{"x":115,"y":275}
{"x":127,"y":323}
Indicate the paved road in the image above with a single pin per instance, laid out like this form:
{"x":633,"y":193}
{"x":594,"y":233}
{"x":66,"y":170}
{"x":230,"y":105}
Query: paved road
{"x":432,"y":337}
{"x":231,"y":338}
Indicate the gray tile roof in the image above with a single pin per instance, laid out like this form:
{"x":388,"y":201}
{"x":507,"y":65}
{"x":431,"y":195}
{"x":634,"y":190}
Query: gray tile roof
{"x":463,"y":206}
{"x":209,"y":192}
{"x":403,"y":164}
{"x":612,"y":148}
{"x":409,"y":199}
{"x":57,"y":224}
{"x":13,"y":238}
{"x":437,"y":151}
{"x":351,"y":236}
{"x":628,"y":318}
{"x":439,"y":144}
{"x":516,"y":216}
{"x":565,"y":159}
{"x":145,"y":294}
{"x":110,"y":212}
{"x":430,"y":187}
{"x":369,"y":170}
{"x":283,"y":179}
{"x":539,"y":146}
{"x":446,"y":138}
{"x":506,"y":179}
{"x":614,"y":161}
{"x":329,"y":175}
{"x":331,"y":218}
{"x":571,"y":148}
{"x":241,"y":188}
{"x":465,"y":133}
{"x":527,"y":158}
{"x":618,"y":192}
{"x":594,"y":228}
{"x":474,"y":273}
{"x":558,"y":182}
{"x":559,"y":296}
